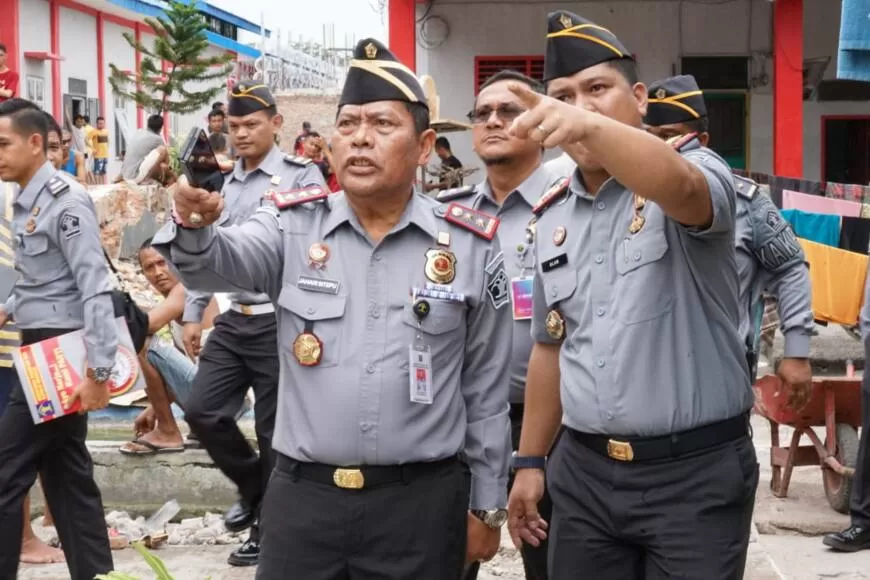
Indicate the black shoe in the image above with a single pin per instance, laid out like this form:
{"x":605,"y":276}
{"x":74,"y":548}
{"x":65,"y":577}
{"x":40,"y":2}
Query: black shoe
{"x":239,"y":517}
{"x":248,"y":554}
{"x":852,"y":539}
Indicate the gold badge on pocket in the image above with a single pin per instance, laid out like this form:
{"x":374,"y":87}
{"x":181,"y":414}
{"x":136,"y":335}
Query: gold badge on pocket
{"x":307,"y":349}
{"x":555,"y":323}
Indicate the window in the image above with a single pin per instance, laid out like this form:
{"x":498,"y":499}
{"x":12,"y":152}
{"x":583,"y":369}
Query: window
{"x":718,"y":72}
{"x":221,"y":27}
{"x":78,"y":87}
{"x":487,"y":66}
{"x":36,"y":90}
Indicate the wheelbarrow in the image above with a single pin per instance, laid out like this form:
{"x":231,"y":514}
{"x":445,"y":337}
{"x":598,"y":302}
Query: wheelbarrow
{"x":835,"y":404}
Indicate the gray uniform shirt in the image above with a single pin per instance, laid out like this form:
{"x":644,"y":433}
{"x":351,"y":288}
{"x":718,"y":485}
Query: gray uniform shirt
{"x":519,"y":259}
{"x":143,"y":142}
{"x":354,"y":407}
{"x":651,"y":344}
{"x":242,"y":193}
{"x":64,"y":281}
{"x":769,"y":257}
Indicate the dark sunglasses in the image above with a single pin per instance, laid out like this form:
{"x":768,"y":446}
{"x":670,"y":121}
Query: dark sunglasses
{"x":506,"y":113}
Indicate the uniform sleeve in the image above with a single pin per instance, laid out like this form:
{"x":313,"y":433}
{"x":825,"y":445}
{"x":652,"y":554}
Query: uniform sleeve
{"x":78,"y":237}
{"x":247,"y":257}
{"x":785,"y":272}
{"x":485,"y":387}
{"x":311,"y":176}
{"x":9,"y":306}
{"x":722,"y":194}
{"x":195,"y":303}
{"x":539,"y":313}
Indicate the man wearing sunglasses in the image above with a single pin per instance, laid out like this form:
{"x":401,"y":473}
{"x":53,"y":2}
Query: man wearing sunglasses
{"x":515,"y":181}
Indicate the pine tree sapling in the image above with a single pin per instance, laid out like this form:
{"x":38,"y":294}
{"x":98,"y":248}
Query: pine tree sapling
{"x":172,"y":64}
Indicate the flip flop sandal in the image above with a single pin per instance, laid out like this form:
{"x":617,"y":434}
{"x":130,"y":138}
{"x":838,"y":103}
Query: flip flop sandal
{"x":151,"y":449}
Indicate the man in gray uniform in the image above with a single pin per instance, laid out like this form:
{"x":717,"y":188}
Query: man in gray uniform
{"x":769,"y":256}
{"x":242,"y":350}
{"x":636,"y":314}
{"x":64,"y":286}
{"x":515,"y":181}
{"x":387,"y":304}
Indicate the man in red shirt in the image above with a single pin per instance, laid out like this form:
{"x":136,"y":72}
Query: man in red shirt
{"x":8,"y":78}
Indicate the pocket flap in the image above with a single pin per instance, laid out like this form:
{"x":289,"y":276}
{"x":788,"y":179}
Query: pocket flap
{"x":443,"y":317}
{"x":34,"y":244}
{"x":312,"y":305}
{"x":560,"y":286}
{"x":640,"y":251}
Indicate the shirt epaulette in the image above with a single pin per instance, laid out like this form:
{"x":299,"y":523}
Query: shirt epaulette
{"x":558,"y":189}
{"x":477,"y":222}
{"x":745,"y":187}
{"x":294,"y":197}
{"x":297,"y":160}
{"x":681,"y":142}
{"x":57,"y":186}
{"x":446,"y":195}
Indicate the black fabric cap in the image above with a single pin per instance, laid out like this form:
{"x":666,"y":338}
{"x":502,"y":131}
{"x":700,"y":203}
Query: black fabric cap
{"x":376,"y":75}
{"x":574,"y":44}
{"x":674,"y":100}
{"x":248,"y":98}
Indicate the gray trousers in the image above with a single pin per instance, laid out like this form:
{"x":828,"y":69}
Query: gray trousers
{"x":681,"y":518}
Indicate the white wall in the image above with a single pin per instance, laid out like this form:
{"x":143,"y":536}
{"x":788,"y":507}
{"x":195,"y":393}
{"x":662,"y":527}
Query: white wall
{"x":78,"y":44}
{"x":117,"y":51}
{"x":34,"y":25}
{"x":654,"y":31}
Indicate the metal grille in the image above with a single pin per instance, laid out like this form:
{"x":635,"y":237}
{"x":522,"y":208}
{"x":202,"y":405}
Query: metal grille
{"x":487,"y":66}
{"x":78,"y":87}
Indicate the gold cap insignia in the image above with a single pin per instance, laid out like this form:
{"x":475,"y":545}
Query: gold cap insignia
{"x":661,"y":94}
{"x":440,"y":266}
{"x":371,"y":50}
{"x":566,"y":21}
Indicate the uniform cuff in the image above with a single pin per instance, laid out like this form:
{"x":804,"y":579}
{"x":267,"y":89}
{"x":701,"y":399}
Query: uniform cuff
{"x":192,"y":313}
{"x":101,"y":360}
{"x":488,"y":493}
{"x":797,"y":344}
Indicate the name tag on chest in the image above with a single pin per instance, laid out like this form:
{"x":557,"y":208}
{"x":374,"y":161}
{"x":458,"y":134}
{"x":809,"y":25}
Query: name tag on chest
{"x":318,"y":285}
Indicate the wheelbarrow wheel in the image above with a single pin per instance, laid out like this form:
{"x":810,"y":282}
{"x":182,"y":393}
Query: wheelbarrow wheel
{"x":838,"y":488}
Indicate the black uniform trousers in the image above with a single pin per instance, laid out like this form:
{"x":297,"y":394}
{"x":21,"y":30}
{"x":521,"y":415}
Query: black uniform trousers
{"x":241,"y":352}
{"x":686,"y":517}
{"x":859,"y":508}
{"x":534,"y":558}
{"x":414,"y":529}
{"x":57,"y":451}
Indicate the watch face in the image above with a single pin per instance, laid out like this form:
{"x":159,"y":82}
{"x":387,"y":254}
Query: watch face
{"x":498,"y":518}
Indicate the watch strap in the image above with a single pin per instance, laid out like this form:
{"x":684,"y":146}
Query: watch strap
{"x":529,"y":462}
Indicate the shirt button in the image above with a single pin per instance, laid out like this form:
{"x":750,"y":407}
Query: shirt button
{"x":609,"y":416}
{"x":554,"y":291}
{"x":637,"y":256}
{"x":375,"y":312}
{"x":601,"y":205}
{"x":599,"y":258}
{"x":311,"y":310}
{"x":600,"y":312}
{"x":365,"y":426}
{"x":600,"y":362}
{"x":370,"y":369}
{"x":377,"y":257}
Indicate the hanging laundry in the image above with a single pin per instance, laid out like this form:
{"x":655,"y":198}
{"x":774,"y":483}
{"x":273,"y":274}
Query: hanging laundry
{"x":848,"y":191}
{"x":855,"y":234}
{"x":819,"y":204}
{"x":821,"y":228}
{"x":853,"y":58}
{"x":837,"y":278}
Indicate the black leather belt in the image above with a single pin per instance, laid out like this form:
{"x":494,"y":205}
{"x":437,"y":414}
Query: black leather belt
{"x":360,"y":477}
{"x":34,"y":335}
{"x":665,"y":446}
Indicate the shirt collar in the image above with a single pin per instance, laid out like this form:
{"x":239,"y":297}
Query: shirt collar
{"x":530,"y":190}
{"x":417,"y":212}
{"x":578,"y":188}
{"x":271,"y":165}
{"x":27,"y":196}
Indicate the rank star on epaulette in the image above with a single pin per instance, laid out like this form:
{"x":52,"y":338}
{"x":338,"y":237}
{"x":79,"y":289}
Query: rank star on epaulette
{"x":294,"y":197}
{"x":446,"y":195}
{"x":56,"y":186}
{"x":559,"y":188}
{"x":477,"y":222}
{"x":297,"y":160}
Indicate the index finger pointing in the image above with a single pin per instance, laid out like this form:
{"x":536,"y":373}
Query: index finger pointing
{"x":529,"y":97}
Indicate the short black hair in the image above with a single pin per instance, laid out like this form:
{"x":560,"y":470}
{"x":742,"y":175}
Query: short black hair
{"x":512,"y":75}
{"x":26,"y":118}
{"x":53,"y":126}
{"x":86,"y":118}
{"x":100,"y":119}
{"x":443,"y":143}
{"x":155,"y":123}
{"x":627,"y":68}
{"x":312,"y":134}
{"x":216,"y":113}
{"x":146,"y":245}
{"x":306,"y":125}
{"x":216,"y":105}
{"x":2,"y":47}
{"x":217,"y":141}
{"x":699,"y":125}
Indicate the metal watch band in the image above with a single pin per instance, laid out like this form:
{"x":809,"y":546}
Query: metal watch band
{"x":492,"y":518}
{"x":100,"y":374}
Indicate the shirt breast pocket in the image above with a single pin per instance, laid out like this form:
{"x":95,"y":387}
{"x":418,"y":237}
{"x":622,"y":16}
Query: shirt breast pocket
{"x":35,"y":260}
{"x":645,"y":288}
{"x":318,"y":313}
{"x":444,"y":317}
{"x":559,"y":287}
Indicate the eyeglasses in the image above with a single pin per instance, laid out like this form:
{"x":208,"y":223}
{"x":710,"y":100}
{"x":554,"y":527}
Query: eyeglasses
{"x":505,"y":113}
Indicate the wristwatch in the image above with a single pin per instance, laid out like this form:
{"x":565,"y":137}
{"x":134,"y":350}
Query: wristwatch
{"x":492,"y":518}
{"x":100,"y":375}
{"x":528,"y":462}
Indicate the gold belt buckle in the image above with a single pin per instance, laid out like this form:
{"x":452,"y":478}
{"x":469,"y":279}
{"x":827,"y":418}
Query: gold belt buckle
{"x":620,"y":450}
{"x":247,"y":310}
{"x":348,"y":478}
